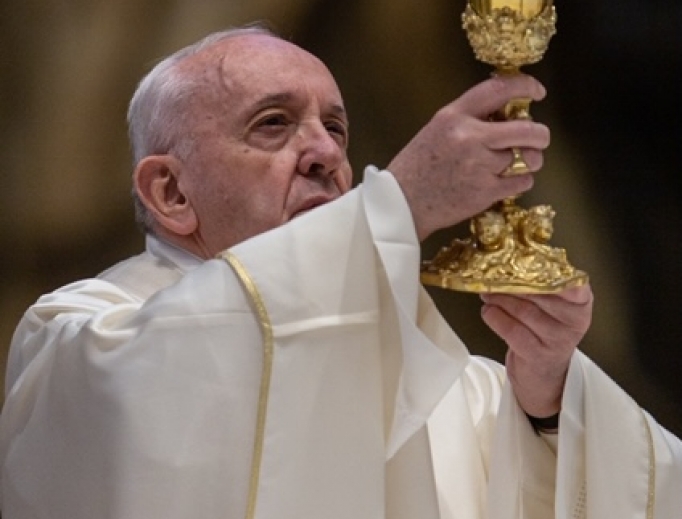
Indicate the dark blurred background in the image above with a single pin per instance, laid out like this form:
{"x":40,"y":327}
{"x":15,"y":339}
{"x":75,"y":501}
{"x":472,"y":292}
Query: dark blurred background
{"x":68,"y":69}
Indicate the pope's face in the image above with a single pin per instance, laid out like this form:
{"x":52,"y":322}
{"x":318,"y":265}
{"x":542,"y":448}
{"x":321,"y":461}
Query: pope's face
{"x":269,"y":135}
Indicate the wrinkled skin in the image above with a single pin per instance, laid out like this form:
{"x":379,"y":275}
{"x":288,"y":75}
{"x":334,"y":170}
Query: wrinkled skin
{"x":269,"y":136}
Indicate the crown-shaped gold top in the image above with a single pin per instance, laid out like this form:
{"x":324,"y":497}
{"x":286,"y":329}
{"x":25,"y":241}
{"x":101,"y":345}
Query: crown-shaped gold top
{"x":509,"y":33}
{"x":528,"y":8}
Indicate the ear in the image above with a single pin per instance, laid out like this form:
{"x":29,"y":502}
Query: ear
{"x":157,"y":182}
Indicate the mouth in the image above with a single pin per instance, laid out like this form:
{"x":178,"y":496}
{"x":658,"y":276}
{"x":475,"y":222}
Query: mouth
{"x":310,"y":204}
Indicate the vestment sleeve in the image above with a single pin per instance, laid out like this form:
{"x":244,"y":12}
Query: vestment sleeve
{"x":613,"y":459}
{"x":130,"y":409}
{"x":487,"y":459}
{"x":352,"y":307}
{"x":292,"y":356}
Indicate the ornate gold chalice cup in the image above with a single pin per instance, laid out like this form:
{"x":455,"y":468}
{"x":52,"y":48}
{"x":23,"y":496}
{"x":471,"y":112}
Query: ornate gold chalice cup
{"x":508,"y":250}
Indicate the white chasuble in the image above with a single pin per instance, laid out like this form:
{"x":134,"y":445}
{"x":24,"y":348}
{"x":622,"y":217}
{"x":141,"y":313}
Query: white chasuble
{"x":304,"y":374}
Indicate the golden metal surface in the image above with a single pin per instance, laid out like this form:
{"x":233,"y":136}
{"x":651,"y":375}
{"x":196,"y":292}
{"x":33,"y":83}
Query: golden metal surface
{"x":528,"y":8}
{"x":518,"y":166}
{"x":508,"y":250}
{"x":509,"y":34}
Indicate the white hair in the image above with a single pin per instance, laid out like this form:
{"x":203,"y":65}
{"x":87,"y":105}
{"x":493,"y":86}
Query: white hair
{"x":157,"y":114}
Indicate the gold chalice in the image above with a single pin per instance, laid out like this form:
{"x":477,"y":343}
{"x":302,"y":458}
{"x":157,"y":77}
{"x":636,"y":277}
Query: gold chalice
{"x":508,"y":250}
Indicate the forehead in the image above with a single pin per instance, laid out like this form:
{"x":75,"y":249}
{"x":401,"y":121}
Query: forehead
{"x":248,"y":67}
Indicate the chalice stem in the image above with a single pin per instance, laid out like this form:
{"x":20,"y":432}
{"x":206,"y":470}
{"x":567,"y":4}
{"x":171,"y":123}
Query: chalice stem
{"x":518,"y":108}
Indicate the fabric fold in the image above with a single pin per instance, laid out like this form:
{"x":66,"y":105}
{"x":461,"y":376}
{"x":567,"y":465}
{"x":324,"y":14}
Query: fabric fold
{"x":440,"y":363}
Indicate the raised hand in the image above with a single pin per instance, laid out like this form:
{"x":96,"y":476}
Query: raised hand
{"x":451,"y":169}
{"x":542,"y":332}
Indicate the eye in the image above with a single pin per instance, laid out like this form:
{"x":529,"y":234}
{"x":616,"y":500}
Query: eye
{"x":338,"y":130}
{"x":270,"y":129}
{"x":273,"y":121}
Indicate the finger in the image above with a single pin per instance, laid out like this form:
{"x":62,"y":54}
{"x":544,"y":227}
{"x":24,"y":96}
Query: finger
{"x":569,"y":310}
{"x":515,"y":334}
{"x":534,"y":159}
{"x":577,"y":295}
{"x":573,"y":309}
{"x":490,"y":143}
{"x":527,"y":314}
{"x":554,"y":304}
{"x":491,"y":95}
{"x":542,"y":343}
{"x":522,"y":133}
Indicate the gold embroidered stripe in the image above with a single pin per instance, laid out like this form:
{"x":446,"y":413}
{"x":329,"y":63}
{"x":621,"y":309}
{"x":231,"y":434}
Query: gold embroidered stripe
{"x":266,"y":375}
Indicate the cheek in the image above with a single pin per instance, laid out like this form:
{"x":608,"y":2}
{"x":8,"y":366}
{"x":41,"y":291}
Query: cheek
{"x":262,"y":204}
{"x":344,"y":179}
{"x":249,"y":197}
{"x":239,"y":217}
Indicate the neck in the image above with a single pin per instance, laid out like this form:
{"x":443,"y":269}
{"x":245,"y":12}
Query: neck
{"x":189,"y":243}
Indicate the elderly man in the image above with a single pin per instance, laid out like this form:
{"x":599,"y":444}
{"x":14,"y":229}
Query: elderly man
{"x":271,"y":354}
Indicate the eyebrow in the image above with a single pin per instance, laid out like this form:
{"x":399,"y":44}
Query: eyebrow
{"x":272,"y":100}
{"x":282,"y":98}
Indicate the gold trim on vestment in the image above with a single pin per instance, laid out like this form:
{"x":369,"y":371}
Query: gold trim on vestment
{"x":651,"y":495}
{"x":266,"y":375}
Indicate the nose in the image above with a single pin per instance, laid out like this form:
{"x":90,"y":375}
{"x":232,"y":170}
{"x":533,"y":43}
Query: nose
{"x":322,"y":153}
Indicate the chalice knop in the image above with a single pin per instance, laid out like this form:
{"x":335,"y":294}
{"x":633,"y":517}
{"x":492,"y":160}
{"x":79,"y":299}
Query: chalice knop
{"x":508,"y":249}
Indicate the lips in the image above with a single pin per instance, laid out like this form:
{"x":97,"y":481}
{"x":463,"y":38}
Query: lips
{"x":310,"y":204}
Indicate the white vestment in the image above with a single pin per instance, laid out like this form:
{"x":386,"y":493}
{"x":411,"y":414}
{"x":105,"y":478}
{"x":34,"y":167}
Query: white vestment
{"x":306,"y":375}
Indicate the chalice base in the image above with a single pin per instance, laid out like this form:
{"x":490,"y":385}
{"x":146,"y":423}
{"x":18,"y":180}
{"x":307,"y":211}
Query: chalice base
{"x":508,"y":252}
{"x":453,"y":280}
